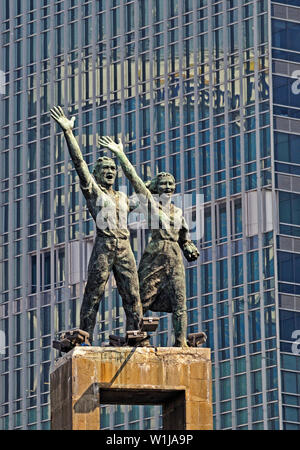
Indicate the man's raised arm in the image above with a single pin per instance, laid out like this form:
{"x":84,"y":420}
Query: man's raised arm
{"x":128,"y":169}
{"x":67,"y":126}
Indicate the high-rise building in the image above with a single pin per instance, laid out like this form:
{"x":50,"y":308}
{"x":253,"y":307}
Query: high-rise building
{"x":208,"y":90}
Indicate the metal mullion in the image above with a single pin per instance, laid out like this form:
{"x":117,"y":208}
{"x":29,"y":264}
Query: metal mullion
{"x":122,"y":62}
{"x":141,"y":416}
{"x":136,"y":57}
{"x":166,"y":96}
{"x":94,"y":115}
{"x":181,"y":114}
{"x":94,"y":58}
{"x":109,"y":132}
{"x":38,"y":126}
{"x":26,"y":263}
{"x":53,"y":128}
{"x":151,"y":59}
{"x":126,"y":418}
{"x":81,"y":58}
{"x":197,"y":158}
{"x":275,"y":222}
{"x":167,"y":137}
{"x":108,"y":122}
{"x":83,"y":242}
{"x":152,"y":116}
{"x":228,"y":222}
{"x":67,"y":158}
{"x":111,"y":415}
{"x":122,"y":58}
{"x":181,"y":118}
{"x":214,"y":237}
{"x":38,"y":116}
{"x":152,"y":121}
{"x":11,"y":234}
{"x":52,"y":194}
{"x":108,"y":61}
{"x":122,"y":65}
{"x":260,"y":225}
{"x":66,"y":185}
{"x":247,"y":357}
{"x":217,"y":221}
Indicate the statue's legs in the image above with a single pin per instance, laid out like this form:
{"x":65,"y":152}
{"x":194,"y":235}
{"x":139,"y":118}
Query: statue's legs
{"x":93,"y":293}
{"x":174,"y":293}
{"x":126,"y":277}
{"x":100,"y":266}
{"x":179,"y":319}
{"x":178,"y":300}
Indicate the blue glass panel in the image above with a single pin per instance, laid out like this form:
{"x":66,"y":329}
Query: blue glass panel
{"x":291,"y":414}
{"x":289,"y":2}
{"x":254,"y":325}
{"x":285,"y":35}
{"x":289,"y":56}
{"x":237,"y":270}
{"x":238,"y":329}
{"x":289,"y":322}
{"x":223,"y":332}
{"x":225,"y":389}
{"x":289,"y":112}
{"x":288,"y":267}
{"x":270,"y":322}
{"x":253,"y":267}
{"x":207,"y":225}
{"x":287,"y":147}
{"x":222,"y":276}
{"x":289,"y":208}
{"x":272,"y":378}
{"x":289,"y":229}
{"x":290,"y":382}
{"x":240,"y":385}
{"x":206,"y":278}
{"x":287,"y":168}
{"x":250,"y":146}
{"x":208,"y":328}
{"x":289,"y":288}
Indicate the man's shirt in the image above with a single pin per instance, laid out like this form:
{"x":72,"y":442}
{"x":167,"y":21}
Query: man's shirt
{"x":108,"y":209}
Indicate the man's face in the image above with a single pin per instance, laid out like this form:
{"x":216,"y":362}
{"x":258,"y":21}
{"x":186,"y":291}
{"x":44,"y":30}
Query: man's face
{"x":106,"y":174}
{"x":166,"y":187}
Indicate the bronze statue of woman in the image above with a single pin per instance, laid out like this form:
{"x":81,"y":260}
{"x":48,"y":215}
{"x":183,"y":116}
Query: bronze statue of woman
{"x":161,"y":270}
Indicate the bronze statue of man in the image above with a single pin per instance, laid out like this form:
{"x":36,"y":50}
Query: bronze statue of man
{"x":161,"y":270}
{"x":112,"y":250}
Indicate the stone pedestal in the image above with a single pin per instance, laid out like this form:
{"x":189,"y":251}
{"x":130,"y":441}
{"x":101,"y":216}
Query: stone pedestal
{"x":179,"y":379}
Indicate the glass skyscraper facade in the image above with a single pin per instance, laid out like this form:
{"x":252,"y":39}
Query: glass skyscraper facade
{"x":208,"y":90}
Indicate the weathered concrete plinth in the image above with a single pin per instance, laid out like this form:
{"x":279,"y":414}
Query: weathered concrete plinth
{"x":179,"y":379}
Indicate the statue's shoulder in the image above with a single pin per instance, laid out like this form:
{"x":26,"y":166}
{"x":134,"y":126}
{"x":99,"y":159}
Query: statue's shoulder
{"x":177,"y":210}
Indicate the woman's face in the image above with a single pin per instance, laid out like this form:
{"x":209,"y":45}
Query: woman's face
{"x":166,"y":187}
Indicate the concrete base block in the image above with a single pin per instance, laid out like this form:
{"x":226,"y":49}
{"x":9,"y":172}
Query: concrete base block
{"x":176,"y":378}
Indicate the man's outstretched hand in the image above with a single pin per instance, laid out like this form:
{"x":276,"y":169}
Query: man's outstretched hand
{"x":107,"y":142}
{"x":58,"y":115}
